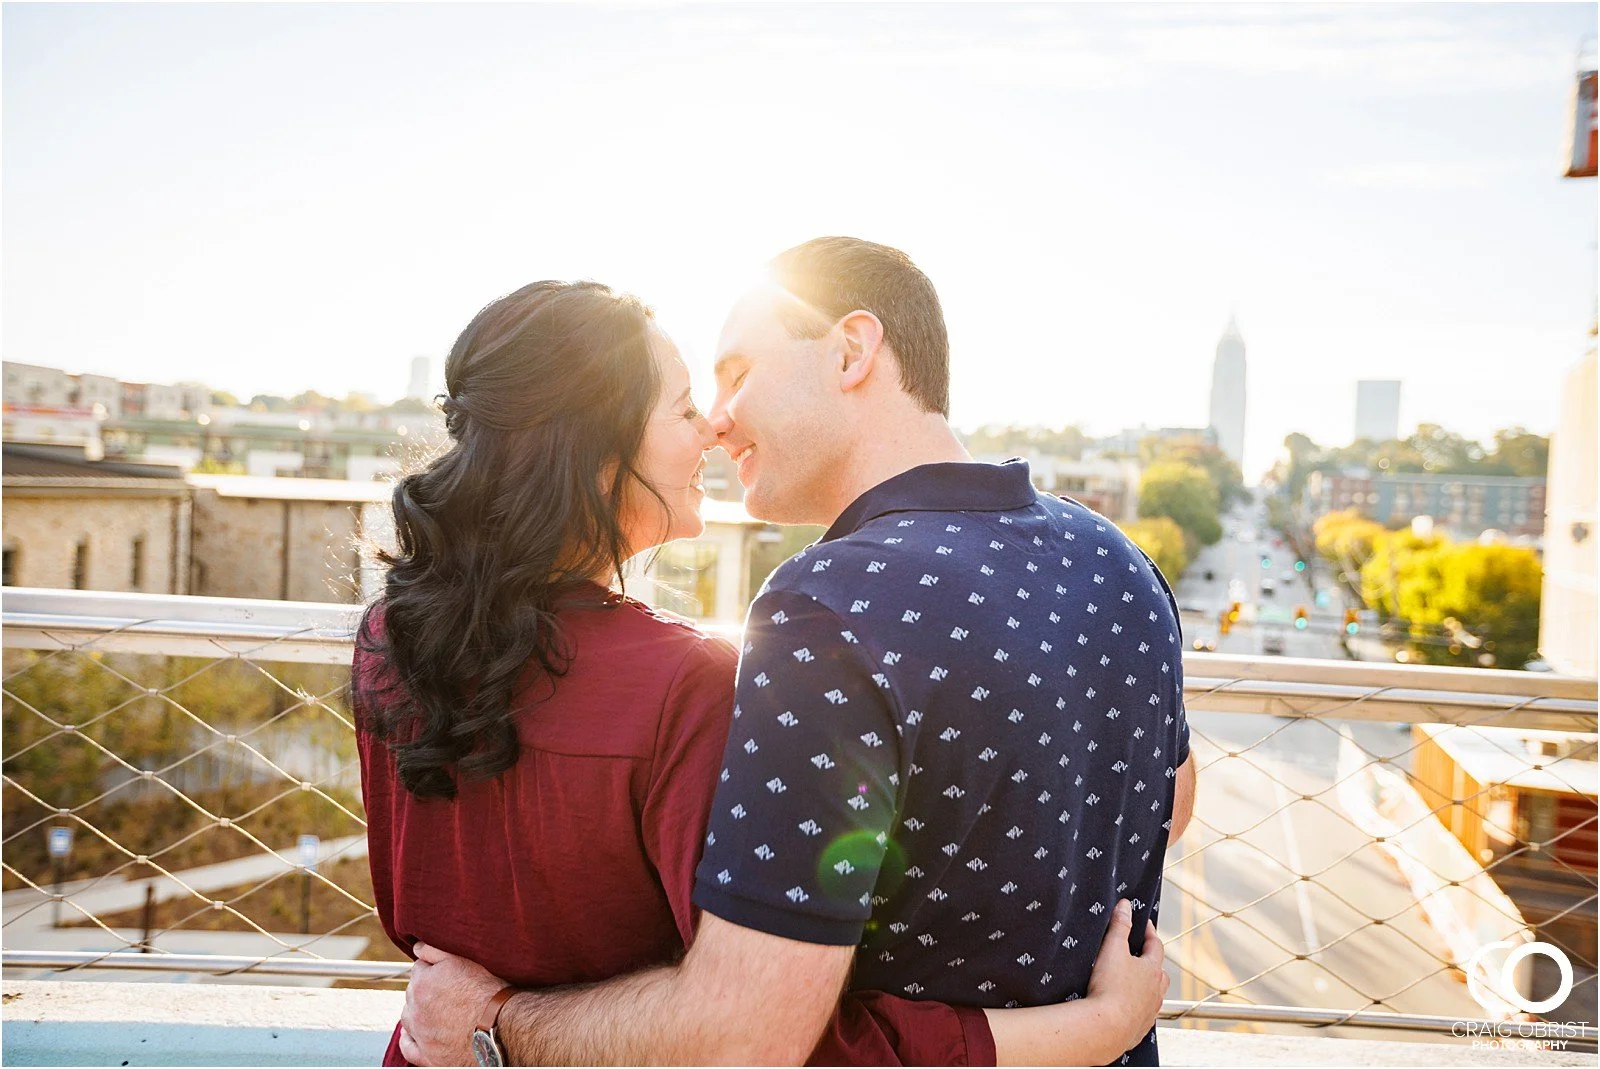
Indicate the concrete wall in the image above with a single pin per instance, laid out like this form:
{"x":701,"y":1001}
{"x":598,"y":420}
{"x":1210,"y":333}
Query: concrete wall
{"x":1568,"y":608}
{"x":240,"y":546}
{"x":45,"y":531}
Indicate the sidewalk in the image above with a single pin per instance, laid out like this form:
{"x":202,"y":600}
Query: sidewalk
{"x":27,"y":914}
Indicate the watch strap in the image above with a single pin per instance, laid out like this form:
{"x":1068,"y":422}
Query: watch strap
{"x":490,"y":1016}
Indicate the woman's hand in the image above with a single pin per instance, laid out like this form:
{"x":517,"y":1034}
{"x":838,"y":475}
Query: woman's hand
{"x":1124,"y":997}
{"x":1126,"y":991}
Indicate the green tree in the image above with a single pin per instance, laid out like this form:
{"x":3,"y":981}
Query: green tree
{"x":1468,"y":599}
{"x":1519,"y":452}
{"x":994,"y":438}
{"x":1217,"y":465}
{"x":1445,"y":452}
{"x":1304,"y":457}
{"x":266,"y":402}
{"x":1185,"y":494}
{"x":312,"y":401}
{"x":411,"y":406}
{"x":1163,"y":542}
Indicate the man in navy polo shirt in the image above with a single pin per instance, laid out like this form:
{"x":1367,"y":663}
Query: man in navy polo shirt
{"x":959,"y":735}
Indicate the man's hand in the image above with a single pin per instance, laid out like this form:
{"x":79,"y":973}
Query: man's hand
{"x":444,"y":998}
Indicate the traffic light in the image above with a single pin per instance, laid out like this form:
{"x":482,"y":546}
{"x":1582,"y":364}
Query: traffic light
{"x":1266,"y":562}
{"x":1351,"y":623}
{"x":1233,"y":613}
{"x":1301,"y":618}
{"x":1299,"y":565}
{"x":1224,"y":622}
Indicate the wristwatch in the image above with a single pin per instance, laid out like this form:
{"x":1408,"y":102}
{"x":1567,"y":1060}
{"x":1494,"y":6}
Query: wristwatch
{"x":486,"y":1046}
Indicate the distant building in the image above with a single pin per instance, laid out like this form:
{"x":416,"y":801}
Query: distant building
{"x":361,"y":447}
{"x":1568,"y":607}
{"x":722,"y":477}
{"x":1377,"y":410}
{"x":1228,"y":393}
{"x":71,"y":523}
{"x":1499,"y":789}
{"x":1464,"y":505}
{"x":286,"y":539}
{"x":53,"y":425}
{"x":28,"y":384}
{"x":75,"y":523}
{"x":1125,"y":443}
{"x":178,"y":425}
{"x":1109,"y":486}
{"x":420,"y":386}
{"x":706,"y":578}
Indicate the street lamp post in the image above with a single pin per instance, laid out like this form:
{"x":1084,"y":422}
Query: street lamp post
{"x":309,"y":846}
{"x":60,"y":840}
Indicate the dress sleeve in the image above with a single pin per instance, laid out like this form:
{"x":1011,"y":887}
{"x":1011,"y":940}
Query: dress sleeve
{"x":869,"y":1028}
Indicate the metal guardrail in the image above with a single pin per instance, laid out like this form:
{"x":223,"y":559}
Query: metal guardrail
{"x":1321,"y":763}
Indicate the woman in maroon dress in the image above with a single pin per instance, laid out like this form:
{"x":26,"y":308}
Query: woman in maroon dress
{"x":539,"y":753}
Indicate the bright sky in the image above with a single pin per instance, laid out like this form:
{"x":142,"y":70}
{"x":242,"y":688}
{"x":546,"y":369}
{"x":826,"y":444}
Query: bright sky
{"x":275,"y":198}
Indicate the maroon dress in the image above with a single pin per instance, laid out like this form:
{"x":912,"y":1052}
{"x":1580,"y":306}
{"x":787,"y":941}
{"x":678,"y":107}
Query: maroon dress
{"x":577,"y":863}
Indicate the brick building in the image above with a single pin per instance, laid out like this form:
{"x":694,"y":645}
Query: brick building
{"x":1464,"y":505}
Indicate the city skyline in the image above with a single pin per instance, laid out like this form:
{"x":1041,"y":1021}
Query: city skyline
{"x":1089,"y":188}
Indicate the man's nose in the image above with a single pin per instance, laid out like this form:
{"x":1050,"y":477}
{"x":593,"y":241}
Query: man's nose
{"x":719,"y":419}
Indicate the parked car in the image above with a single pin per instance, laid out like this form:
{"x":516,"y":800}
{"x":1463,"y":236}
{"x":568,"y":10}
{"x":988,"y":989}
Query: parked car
{"x":1272,"y":645}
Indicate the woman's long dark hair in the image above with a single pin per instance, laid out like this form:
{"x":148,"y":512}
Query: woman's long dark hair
{"x":550,"y":390}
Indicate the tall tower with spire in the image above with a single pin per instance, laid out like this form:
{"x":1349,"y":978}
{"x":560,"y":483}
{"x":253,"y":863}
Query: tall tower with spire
{"x":1227,"y":393}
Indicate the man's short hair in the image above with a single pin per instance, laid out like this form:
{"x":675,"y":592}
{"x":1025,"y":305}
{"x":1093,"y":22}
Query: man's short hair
{"x":836,"y":276}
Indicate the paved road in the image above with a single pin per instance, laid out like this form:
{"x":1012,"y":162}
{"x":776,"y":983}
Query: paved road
{"x":1287,"y":940}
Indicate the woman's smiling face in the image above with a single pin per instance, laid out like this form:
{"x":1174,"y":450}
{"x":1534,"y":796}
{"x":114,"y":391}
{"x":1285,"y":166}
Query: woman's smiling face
{"x":671,"y":457}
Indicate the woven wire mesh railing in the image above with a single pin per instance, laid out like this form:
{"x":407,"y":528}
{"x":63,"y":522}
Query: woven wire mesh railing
{"x":1362,"y":832}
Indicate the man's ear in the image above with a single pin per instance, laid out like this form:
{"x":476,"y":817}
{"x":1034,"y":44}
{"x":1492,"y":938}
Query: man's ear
{"x":861,"y":345}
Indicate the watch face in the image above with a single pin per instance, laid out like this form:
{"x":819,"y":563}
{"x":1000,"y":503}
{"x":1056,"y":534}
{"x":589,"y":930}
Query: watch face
{"x":485,"y":1049}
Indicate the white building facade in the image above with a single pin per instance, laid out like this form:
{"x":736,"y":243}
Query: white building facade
{"x":1377,"y":410}
{"x":1227,"y":394}
{"x":1568,"y":607}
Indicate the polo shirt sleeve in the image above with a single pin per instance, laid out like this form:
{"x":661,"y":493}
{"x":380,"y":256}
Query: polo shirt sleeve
{"x":809,"y":787}
{"x":1181,"y":728}
{"x":869,"y":1027}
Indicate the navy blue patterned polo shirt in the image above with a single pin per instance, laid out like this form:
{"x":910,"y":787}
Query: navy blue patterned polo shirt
{"x":956,"y":733}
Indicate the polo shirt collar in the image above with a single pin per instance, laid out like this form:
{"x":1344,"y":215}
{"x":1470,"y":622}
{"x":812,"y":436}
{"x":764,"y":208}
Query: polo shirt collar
{"x":957,"y":487}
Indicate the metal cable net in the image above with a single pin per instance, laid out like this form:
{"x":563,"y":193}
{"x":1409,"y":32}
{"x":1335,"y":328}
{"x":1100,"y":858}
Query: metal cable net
{"x":186,"y":784}
{"x":1317,"y":871}
{"x":1319,"y":857}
